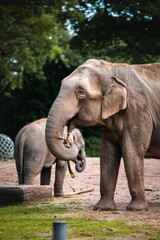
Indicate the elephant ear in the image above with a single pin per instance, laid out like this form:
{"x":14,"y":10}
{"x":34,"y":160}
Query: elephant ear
{"x":115,"y":99}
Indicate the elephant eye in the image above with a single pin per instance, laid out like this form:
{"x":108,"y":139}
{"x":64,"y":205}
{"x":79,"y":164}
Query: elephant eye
{"x":81,"y":93}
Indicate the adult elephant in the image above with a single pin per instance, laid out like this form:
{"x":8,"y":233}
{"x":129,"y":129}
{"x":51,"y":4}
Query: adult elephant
{"x":125,"y":101}
{"x":33,"y":157}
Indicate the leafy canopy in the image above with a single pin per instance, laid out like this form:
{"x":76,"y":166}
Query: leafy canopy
{"x":120,"y":31}
{"x":30,"y":33}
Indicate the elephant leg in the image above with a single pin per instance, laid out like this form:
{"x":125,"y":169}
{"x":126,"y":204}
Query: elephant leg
{"x":28,"y":177}
{"x":60,"y":172}
{"x":29,"y":173}
{"x":109,"y":166}
{"x":133,"y":162}
{"x":46,"y":176}
{"x":29,"y":181}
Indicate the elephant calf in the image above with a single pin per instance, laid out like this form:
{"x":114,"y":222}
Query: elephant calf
{"x":33,"y":157}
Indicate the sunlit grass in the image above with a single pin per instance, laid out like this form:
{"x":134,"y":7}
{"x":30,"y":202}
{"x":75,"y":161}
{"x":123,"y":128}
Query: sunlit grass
{"x":34,"y":221}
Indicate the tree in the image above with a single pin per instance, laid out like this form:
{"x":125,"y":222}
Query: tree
{"x":34,"y":57}
{"x":31,"y":32}
{"x":34,"y":100}
{"x":121,"y":31}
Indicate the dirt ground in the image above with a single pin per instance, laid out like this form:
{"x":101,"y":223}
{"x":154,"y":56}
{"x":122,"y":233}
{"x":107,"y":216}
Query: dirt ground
{"x":89,"y":179}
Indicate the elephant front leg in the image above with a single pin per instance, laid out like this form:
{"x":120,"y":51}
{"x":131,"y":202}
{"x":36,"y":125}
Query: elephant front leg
{"x":109,"y":167}
{"x":46,"y":176}
{"x":60,"y":172}
{"x":134,"y":168}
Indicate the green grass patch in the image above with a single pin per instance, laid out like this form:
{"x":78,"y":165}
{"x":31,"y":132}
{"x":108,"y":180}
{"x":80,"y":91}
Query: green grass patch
{"x":34,"y":221}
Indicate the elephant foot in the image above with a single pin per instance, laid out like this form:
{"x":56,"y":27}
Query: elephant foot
{"x":137,"y":205}
{"x":105,"y":205}
{"x":58,"y":194}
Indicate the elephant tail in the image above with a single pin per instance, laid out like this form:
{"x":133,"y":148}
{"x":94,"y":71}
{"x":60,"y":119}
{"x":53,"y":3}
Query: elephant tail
{"x":19,"y":155}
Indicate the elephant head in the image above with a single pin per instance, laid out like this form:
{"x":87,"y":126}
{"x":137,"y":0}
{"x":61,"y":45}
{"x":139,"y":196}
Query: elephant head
{"x":88,"y":96}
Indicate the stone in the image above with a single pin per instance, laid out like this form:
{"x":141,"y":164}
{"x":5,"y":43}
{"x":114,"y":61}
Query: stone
{"x":10,"y":194}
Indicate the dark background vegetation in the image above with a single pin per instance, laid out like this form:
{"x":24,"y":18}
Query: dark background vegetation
{"x":42,"y":41}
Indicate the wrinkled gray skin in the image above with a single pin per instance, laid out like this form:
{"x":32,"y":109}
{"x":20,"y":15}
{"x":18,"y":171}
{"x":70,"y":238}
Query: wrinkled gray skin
{"x":33,"y":157}
{"x":125,"y":101}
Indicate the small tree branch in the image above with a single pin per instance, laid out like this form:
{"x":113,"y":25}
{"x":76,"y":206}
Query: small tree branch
{"x":78,"y":192}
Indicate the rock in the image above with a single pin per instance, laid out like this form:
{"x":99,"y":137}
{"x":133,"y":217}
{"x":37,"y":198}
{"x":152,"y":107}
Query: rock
{"x":15,"y":194}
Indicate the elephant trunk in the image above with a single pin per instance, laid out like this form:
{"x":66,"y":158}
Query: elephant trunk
{"x":81,"y":161}
{"x":56,"y":122}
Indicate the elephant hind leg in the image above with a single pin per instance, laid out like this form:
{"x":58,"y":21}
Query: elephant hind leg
{"x":26,"y":179}
{"x":46,"y":176}
{"x":137,"y":205}
{"x":29,"y":181}
{"x":60,"y":172}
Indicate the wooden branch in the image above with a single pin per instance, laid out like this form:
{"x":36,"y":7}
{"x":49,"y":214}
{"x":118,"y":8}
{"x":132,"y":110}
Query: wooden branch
{"x":78,"y":192}
{"x":71,"y":186}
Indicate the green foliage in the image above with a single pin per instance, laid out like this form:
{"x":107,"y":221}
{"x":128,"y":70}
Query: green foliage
{"x":30,"y":34}
{"x":92,"y":146}
{"x":34,"y":221}
{"x":121,"y":32}
{"x":92,"y":138}
{"x":33,"y":101}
